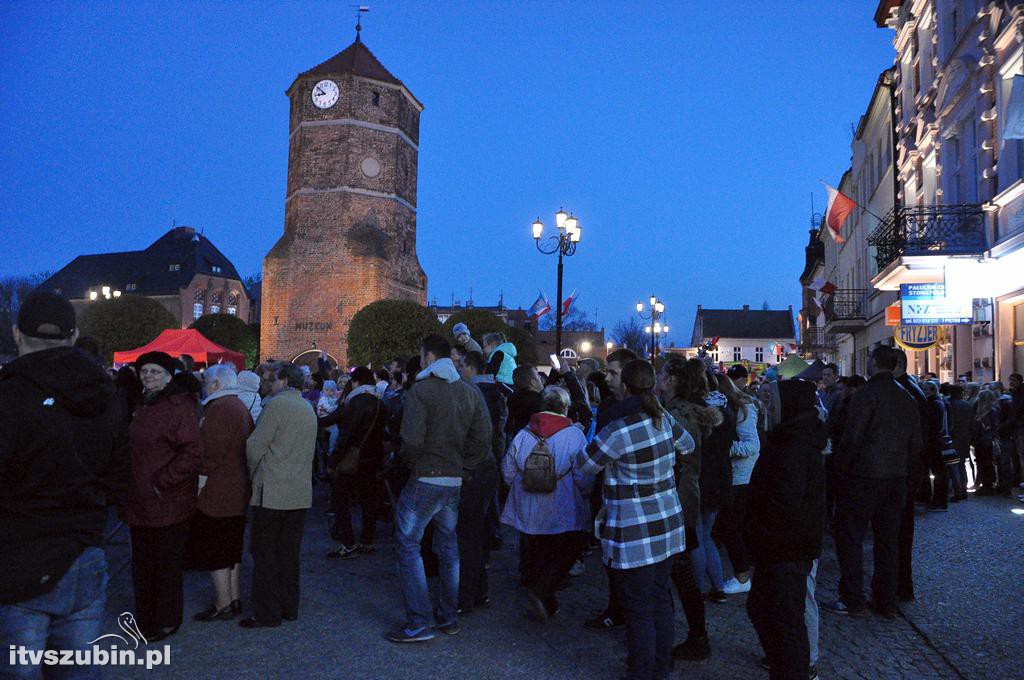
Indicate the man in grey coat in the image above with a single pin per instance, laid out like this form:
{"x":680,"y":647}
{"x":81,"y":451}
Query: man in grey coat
{"x":280,"y":457}
{"x":444,"y":423}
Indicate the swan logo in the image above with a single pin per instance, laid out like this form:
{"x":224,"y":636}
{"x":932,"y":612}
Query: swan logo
{"x":126,"y":621}
{"x":94,"y":655}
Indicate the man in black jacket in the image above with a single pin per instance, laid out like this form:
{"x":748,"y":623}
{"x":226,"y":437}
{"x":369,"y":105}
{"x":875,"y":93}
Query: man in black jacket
{"x":882,"y":433}
{"x":63,"y":458}
{"x":916,"y":469}
{"x":785,"y":522}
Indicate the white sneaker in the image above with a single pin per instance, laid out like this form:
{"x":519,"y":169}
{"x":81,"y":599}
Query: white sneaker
{"x":733,"y":586}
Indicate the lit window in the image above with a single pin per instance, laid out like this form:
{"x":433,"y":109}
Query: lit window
{"x":174,"y":267}
{"x":216,"y":269}
{"x":214,"y":309}
{"x":130,"y":286}
{"x":197,"y":310}
{"x":737,"y":354}
{"x":759,"y":354}
{"x":233,"y":311}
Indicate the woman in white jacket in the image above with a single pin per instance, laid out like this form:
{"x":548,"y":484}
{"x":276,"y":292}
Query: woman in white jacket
{"x":744,"y":453}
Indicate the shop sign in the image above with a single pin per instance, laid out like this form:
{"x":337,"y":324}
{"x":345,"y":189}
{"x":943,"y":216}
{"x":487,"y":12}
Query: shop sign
{"x":916,"y":338}
{"x":926,"y":304}
{"x":893,"y":314}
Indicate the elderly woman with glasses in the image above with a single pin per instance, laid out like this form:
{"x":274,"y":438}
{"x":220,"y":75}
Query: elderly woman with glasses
{"x":218,"y":524}
{"x":165,"y":456}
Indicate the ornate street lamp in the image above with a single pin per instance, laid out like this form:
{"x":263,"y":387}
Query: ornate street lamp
{"x":656,"y":329}
{"x":564,"y":244}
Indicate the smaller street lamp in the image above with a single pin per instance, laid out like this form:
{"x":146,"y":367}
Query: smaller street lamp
{"x":656,"y":329}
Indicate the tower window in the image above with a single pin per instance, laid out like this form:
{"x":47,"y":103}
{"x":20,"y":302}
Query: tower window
{"x":216,"y":269}
{"x":376,"y":98}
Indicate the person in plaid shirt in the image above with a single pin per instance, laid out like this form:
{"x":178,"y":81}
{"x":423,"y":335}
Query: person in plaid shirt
{"x":641,"y":523}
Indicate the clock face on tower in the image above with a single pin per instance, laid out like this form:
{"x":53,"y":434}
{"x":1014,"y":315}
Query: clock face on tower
{"x":325,"y":94}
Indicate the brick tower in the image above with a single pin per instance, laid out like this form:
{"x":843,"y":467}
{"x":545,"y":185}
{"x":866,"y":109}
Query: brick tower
{"x":350,"y":210}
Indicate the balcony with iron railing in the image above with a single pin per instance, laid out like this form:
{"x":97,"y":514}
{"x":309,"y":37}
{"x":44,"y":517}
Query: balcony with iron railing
{"x":845,"y":310}
{"x":814,"y":340}
{"x":929,"y":230}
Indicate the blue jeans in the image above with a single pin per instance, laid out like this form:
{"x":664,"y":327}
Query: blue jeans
{"x":419,"y":505}
{"x":811,"y":612}
{"x":705,"y":558}
{"x":645,"y":594}
{"x":67,"y":617}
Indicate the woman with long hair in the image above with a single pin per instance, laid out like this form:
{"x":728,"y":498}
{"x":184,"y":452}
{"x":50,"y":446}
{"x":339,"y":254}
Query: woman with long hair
{"x":641,"y":524}
{"x":985,"y":437}
{"x":682,"y":385}
{"x":742,"y":455}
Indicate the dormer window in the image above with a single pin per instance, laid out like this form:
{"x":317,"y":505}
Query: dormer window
{"x":130,"y":286}
{"x":174,"y":268}
{"x":216,"y":269}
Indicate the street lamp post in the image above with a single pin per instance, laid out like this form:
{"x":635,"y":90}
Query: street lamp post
{"x":564,"y":243}
{"x":656,"y":329}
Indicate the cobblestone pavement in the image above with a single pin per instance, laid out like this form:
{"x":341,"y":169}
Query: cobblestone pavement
{"x":967,"y":622}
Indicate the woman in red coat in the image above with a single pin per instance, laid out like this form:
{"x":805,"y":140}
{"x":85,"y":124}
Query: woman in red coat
{"x":165,"y":455}
{"x":218,"y":525}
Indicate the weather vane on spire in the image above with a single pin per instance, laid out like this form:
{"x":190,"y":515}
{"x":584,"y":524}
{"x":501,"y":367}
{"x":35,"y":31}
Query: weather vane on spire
{"x":360,"y":10}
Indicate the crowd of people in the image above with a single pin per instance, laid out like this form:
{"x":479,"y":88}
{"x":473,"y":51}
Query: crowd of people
{"x":462,"y":449}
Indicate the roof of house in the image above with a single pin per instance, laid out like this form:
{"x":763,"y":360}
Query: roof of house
{"x":164,"y":268}
{"x":743,"y":323}
{"x":356,"y":59}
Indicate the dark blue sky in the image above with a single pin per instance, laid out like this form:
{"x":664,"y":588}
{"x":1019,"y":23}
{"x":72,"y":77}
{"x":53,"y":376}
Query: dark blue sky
{"x":687,"y":136}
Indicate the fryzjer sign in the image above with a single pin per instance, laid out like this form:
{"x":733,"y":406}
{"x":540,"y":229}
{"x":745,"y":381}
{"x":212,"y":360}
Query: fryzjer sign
{"x":916,"y":338}
{"x":926,"y":304}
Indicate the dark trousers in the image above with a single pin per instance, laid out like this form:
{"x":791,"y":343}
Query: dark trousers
{"x":940,"y":483}
{"x":1003,"y":455}
{"x":986,"y":467}
{"x":646,"y":598}
{"x":364,"y":487}
{"x":878,"y":502}
{"x":830,"y":489}
{"x":157,"y":557}
{"x":684,"y":578}
{"x":776,"y":608}
{"x":275,"y":544}
{"x":730,"y":525}
{"x":548,"y":559}
{"x":474,"y":534}
{"x":905,"y":557}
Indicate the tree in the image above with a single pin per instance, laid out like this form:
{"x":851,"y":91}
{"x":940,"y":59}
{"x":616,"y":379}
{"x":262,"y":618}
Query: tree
{"x":386,"y":329}
{"x":229,"y":331}
{"x":630,"y":334}
{"x":575,"y":320}
{"x":481,"y":321}
{"x":14,"y":289}
{"x":124,"y":322}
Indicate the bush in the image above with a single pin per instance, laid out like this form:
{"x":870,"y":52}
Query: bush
{"x":481,"y":322}
{"x":229,"y":331}
{"x":386,"y":329}
{"x":124,"y":323}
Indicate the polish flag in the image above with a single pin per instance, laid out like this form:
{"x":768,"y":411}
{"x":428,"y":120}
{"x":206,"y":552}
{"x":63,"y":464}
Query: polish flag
{"x":568,"y":302}
{"x":540,"y":307}
{"x":839,"y":208}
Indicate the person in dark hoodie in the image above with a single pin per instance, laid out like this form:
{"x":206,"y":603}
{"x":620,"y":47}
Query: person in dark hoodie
{"x":784,"y":529}
{"x":478,"y":502}
{"x":525,"y":400}
{"x":166,"y":451}
{"x":63,"y":459}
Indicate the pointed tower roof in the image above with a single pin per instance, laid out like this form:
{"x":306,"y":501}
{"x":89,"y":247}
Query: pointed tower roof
{"x":356,"y":59}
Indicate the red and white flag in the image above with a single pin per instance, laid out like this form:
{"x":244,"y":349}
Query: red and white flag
{"x":822,"y":287}
{"x":568,"y":302}
{"x":839,"y":208}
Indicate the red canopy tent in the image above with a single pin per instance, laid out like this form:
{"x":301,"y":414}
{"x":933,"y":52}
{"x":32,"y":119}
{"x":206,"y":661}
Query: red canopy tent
{"x":185,"y":341}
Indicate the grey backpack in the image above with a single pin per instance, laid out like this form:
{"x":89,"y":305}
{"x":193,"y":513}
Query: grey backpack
{"x":538,"y":471}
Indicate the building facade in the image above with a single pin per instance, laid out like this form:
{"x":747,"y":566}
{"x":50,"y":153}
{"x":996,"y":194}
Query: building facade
{"x":756,"y":338}
{"x":941,"y":203}
{"x":350,"y":206}
{"x":182,"y":270}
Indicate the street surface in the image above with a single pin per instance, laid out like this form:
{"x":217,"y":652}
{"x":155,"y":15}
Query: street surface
{"x":967,"y":622}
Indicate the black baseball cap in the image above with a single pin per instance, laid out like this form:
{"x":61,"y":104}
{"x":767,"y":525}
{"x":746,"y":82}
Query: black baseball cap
{"x":47,"y":316}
